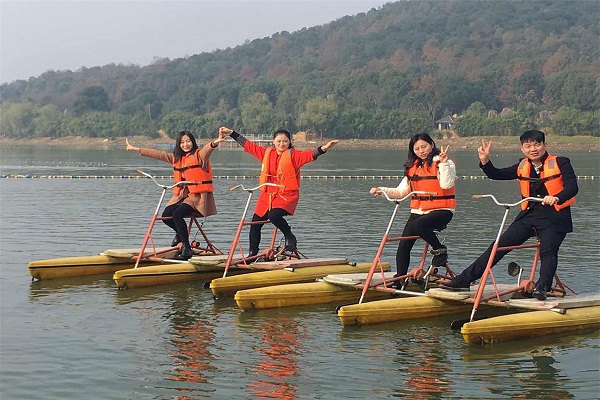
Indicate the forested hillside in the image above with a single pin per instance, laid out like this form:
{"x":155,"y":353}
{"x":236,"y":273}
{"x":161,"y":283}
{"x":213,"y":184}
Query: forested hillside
{"x":500,"y":66}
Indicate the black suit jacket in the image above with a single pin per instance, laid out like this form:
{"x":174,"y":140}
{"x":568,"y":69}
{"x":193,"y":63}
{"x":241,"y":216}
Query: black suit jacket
{"x":560,"y":219}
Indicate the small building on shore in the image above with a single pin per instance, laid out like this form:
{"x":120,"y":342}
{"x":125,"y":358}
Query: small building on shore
{"x":444,"y":123}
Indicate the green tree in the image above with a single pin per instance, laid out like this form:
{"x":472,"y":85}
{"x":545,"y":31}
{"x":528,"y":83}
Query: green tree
{"x":569,"y":122}
{"x":476,"y":109}
{"x":471,"y":124}
{"x":319,"y":112}
{"x":17,"y":119}
{"x":92,"y":98}
{"x":258,"y":115}
{"x":98,"y":124}
{"x":579,"y":92}
{"x":528,"y":86}
{"x":456,"y":93}
{"x":48,"y":122}
{"x":191,"y":99}
{"x":178,"y":121}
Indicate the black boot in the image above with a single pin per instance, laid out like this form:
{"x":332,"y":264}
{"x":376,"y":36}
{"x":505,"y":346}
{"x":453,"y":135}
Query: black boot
{"x":397,"y":283}
{"x":186,"y":252}
{"x":175,"y":241}
{"x":456,"y":285}
{"x":252,"y":253}
{"x":290,"y":242}
{"x":540,"y":293}
{"x":440,"y":256}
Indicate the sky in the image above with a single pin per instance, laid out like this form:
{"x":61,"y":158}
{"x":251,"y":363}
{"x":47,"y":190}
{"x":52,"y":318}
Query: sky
{"x":37,"y":36}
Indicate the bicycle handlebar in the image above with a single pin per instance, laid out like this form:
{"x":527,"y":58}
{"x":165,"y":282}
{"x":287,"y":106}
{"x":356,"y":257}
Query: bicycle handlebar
{"x":241,"y":186}
{"x":182,"y":183}
{"x":405,"y":197}
{"x":491,"y":196}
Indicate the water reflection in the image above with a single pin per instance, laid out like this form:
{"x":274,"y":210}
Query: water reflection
{"x":425,"y":365}
{"x":56,"y":288}
{"x":282,"y":341}
{"x":278,"y":343}
{"x":530,"y":369}
{"x":192,"y":357}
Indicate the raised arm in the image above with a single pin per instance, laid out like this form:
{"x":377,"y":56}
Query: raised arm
{"x":329,"y":145}
{"x":234,"y":135}
{"x":130,"y":147}
{"x":484,"y":152}
{"x":446,"y":170}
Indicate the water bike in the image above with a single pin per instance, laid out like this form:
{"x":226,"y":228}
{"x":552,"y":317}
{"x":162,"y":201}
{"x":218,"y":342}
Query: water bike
{"x":112,"y":260}
{"x":273,"y":265}
{"x":359,"y":285}
{"x":205,"y":264}
{"x":564,"y":311}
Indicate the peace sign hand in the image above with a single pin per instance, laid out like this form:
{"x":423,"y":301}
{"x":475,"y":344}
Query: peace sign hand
{"x":484,"y":152}
{"x":443,"y":154}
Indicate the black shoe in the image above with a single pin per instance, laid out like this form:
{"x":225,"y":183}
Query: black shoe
{"x":175,"y":241}
{"x":527,"y":295}
{"x":440,"y":256}
{"x":420,"y":283}
{"x":185,"y":254}
{"x":456,"y":286}
{"x":290,"y":242}
{"x":252,"y":253}
{"x":540,"y":294}
{"x":397,"y":284}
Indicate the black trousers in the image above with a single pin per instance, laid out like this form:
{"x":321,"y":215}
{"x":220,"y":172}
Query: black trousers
{"x":178,"y":212}
{"x":274,"y":215}
{"x":518,"y":232}
{"x":421,"y":225}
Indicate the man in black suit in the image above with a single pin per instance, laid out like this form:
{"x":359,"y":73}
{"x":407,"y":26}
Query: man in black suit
{"x":542,"y":175}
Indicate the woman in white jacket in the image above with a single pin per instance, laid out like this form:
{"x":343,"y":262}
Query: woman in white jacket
{"x":427,"y":169}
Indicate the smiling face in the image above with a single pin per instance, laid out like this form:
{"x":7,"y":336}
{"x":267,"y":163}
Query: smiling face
{"x":422,"y":149}
{"x":186,"y":144}
{"x":534,"y":151}
{"x":281,"y":143}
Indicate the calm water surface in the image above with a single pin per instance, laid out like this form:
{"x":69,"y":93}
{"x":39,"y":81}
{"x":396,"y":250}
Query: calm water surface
{"x":83,"y":338}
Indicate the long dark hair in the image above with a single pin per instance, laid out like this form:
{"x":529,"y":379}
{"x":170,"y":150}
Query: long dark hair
{"x":177,"y":152}
{"x":286,"y":133}
{"x":412,"y":156}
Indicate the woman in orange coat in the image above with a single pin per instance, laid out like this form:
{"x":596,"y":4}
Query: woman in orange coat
{"x":280,"y":165}
{"x":189,"y":164}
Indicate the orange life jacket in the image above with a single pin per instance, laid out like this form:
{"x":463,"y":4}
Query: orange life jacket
{"x":287,"y":175}
{"x":189,"y":167}
{"x":426,"y":180}
{"x":550,"y":176}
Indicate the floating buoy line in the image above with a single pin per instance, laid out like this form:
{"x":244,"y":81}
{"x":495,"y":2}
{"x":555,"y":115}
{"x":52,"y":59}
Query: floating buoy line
{"x":243,"y":177}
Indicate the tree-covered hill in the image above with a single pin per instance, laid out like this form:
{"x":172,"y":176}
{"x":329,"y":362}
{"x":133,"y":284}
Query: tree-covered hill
{"x":501,"y":66}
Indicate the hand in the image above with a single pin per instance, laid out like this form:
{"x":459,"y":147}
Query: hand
{"x":444,"y":154}
{"x":550,"y":200}
{"x":221,"y":138}
{"x":484,"y":152}
{"x":225,"y":131}
{"x":375,"y":191}
{"x":129,"y":146}
{"x":329,"y":145}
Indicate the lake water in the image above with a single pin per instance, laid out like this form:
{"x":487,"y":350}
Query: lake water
{"x":83,"y":338}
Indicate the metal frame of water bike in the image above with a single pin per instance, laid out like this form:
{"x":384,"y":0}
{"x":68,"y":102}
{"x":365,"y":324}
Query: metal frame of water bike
{"x":210,"y":249}
{"x":418,"y":273}
{"x":522,"y":286}
{"x":270,"y":253}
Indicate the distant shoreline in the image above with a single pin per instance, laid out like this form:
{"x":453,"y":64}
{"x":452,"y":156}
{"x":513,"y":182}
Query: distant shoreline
{"x":555,"y":143}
